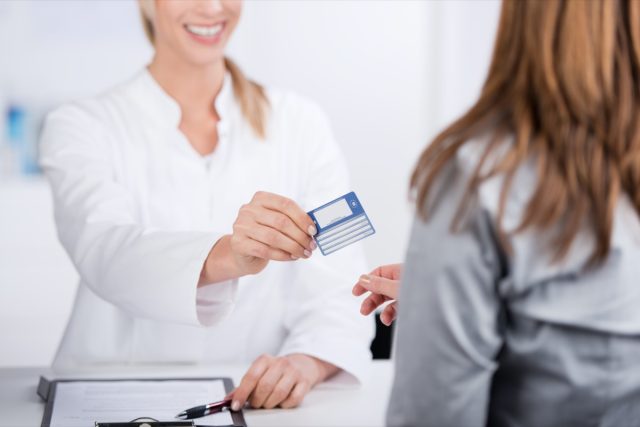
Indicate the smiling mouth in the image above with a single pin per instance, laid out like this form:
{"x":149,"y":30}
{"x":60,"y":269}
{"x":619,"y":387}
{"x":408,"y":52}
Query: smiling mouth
{"x":205,"y":30}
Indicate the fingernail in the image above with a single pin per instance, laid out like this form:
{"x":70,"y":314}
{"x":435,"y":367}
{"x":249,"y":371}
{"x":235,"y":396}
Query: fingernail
{"x":312,"y":230}
{"x":365,"y":278}
{"x":294,"y":257}
{"x":313,"y":245}
{"x":307,"y":253}
{"x":235,"y":405}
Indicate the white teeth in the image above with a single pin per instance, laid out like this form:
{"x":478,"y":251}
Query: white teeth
{"x":208,"y":31}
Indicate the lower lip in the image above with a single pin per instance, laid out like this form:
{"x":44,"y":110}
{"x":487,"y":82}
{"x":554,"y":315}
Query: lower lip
{"x":206,"y":40}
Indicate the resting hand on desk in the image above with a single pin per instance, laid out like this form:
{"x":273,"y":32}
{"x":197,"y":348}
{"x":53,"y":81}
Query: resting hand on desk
{"x":383,"y":283}
{"x":280,"y":381}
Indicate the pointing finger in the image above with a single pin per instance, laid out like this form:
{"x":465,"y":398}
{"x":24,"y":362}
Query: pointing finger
{"x":380,"y":285}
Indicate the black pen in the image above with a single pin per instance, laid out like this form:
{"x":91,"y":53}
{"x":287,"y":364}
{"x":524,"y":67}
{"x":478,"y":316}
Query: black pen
{"x":202,"y":410}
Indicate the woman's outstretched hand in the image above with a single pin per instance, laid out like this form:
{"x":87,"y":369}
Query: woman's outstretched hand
{"x":383,"y":283}
{"x":269,"y":227}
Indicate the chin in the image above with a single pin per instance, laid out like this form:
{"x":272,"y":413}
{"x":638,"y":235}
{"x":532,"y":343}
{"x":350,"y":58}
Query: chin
{"x":203,"y":57}
{"x":205,"y":60}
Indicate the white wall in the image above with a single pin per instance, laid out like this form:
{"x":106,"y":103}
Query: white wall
{"x":389,"y":74}
{"x":50,"y":52}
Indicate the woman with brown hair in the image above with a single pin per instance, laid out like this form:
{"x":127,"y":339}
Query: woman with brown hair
{"x":520,"y":298}
{"x":175,"y":193}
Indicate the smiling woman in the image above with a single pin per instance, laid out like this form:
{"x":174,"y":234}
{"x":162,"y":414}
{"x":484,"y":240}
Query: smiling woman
{"x":157,"y":190}
{"x":213,"y":35}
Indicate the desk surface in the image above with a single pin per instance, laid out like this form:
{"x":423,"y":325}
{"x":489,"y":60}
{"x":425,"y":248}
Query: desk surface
{"x":326,"y":405}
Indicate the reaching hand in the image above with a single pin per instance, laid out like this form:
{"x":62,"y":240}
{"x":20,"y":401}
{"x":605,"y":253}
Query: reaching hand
{"x":269,"y":227}
{"x":383,"y":283}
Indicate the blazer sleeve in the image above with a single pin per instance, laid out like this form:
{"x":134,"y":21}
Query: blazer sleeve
{"x":146,"y":272}
{"x":448,"y":330}
{"x":323,"y":317}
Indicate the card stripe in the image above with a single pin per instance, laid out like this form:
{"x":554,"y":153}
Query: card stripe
{"x":342,"y":227}
{"x":359,"y":226}
{"x":347,"y":236}
{"x":347,"y":243}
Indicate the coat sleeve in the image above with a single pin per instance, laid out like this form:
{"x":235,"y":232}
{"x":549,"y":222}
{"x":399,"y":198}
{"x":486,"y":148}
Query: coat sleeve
{"x":448,"y":331}
{"x":146,"y":272}
{"x":323,"y":317}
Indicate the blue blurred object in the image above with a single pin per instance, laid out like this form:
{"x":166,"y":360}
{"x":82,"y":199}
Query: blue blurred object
{"x":22,"y":140}
{"x":15,"y":125}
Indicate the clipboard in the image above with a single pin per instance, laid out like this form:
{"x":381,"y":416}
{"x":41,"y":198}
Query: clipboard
{"x":47,"y":392}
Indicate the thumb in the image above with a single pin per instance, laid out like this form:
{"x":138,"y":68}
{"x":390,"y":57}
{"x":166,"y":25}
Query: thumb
{"x":380,"y":285}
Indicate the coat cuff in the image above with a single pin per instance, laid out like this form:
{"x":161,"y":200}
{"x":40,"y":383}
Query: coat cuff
{"x":216,"y":301}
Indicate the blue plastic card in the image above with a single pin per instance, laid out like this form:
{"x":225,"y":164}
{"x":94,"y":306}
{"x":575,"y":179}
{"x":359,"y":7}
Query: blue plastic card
{"x":340,"y":223}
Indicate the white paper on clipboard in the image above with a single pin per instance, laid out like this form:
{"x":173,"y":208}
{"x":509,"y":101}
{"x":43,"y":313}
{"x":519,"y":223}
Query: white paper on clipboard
{"x":81,"y":403}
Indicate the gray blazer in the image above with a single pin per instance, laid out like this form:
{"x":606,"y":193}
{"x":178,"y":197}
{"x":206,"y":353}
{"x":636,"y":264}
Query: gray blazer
{"x":496,"y":339}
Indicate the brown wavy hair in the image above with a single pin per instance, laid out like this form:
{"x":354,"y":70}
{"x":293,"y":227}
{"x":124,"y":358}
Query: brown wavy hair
{"x":563,"y":89}
{"x":251,"y":96}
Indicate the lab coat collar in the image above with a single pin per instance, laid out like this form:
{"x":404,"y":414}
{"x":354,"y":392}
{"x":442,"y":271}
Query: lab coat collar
{"x":163,"y":109}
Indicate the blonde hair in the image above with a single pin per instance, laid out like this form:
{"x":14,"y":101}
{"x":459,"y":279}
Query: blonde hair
{"x":565,"y":82}
{"x":251,"y":96}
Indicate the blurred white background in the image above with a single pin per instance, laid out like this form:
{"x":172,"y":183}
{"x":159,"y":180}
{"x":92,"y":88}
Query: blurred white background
{"x":389,"y":74}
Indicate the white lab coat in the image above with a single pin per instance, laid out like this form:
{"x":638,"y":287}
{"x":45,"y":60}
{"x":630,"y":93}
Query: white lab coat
{"x":138,"y":209}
